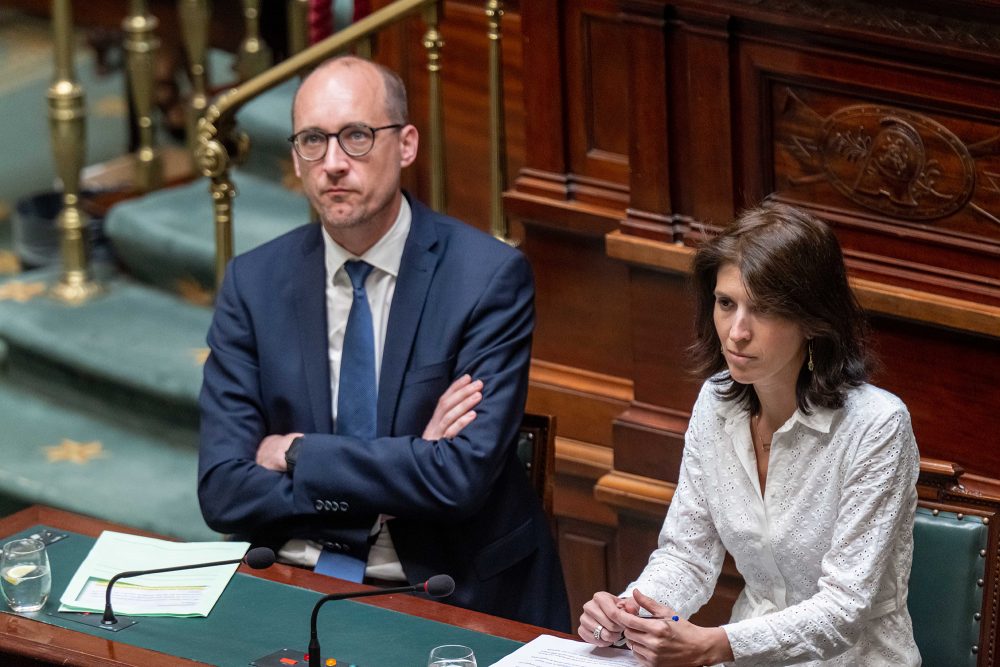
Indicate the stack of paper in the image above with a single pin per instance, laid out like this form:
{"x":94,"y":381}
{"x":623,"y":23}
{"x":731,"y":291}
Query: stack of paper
{"x":183,"y":593}
{"x":549,"y":651}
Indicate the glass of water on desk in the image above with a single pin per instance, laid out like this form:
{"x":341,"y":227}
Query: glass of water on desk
{"x":25,"y":578}
{"x":452,"y":655}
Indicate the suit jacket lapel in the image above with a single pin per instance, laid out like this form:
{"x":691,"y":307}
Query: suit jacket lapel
{"x":416,"y":269}
{"x":310,"y":310}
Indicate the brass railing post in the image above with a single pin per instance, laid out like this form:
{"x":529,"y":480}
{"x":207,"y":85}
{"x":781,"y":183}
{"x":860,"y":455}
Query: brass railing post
{"x":214,"y":159}
{"x":67,"y":113}
{"x":365,"y":48}
{"x":298,"y":26}
{"x":195,"y":16}
{"x":220,"y":147}
{"x":498,"y":138}
{"x":141,"y":45}
{"x":255,"y":56}
{"x":433,"y":43}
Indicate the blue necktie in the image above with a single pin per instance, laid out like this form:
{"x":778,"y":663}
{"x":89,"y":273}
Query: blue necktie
{"x":357,"y":396}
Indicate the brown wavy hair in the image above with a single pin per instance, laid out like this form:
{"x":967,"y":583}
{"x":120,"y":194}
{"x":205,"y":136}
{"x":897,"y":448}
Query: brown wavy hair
{"x":792,"y":267}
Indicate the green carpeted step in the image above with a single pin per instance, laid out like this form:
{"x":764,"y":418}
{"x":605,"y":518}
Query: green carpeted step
{"x":167,"y":238}
{"x":134,"y":345}
{"x":267,"y":120}
{"x":67,"y":458}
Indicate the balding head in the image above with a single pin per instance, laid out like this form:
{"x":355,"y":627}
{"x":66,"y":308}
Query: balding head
{"x":394,"y":91}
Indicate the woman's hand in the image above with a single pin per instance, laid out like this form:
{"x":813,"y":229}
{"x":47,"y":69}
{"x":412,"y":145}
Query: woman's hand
{"x":661,"y":641}
{"x":600,"y":611}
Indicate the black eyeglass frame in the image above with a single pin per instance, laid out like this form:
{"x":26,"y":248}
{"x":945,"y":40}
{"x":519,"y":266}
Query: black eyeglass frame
{"x":336,"y":135}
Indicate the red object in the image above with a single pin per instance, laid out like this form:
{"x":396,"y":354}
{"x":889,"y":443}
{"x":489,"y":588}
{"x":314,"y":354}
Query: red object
{"x":288,"y":661}
{"x":362,"y":8}
{"x":320,"y":20}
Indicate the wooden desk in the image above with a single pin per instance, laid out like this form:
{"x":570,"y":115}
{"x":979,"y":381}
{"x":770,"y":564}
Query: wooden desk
{"x":27,"y":642}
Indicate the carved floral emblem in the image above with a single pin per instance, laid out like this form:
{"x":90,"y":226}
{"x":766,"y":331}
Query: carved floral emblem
{"x":890,"y":160}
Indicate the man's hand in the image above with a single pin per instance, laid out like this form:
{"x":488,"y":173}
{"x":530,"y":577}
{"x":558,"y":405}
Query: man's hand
{"x":454,"y":409}
{"x":271,"y":451}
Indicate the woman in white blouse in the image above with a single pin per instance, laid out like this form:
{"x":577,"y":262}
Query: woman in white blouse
{"x":792,"y":463}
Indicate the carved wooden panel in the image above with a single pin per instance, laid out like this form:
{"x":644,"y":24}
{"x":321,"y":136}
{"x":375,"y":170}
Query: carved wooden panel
{"x":597,"y":110}
{"x":572,"y":274}
{"x":904,"y":161}
{"x":949,"y":384}
{"x":588,"y":547}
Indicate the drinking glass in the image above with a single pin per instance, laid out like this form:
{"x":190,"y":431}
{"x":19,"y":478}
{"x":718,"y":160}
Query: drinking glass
{"x":25,"y":578}
{"x":451,"y":655}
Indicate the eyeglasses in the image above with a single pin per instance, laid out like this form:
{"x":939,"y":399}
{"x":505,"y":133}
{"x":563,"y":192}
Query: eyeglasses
{"x":356,"y":139}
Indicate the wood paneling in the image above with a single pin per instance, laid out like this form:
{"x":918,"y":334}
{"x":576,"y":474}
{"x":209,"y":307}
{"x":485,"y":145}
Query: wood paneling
{"x":901,"y":159}
{"x":720,"y":103}
{"x":572,"y":273}
{"x":598,"y":129}
{"x":948,"y":380}
{"x":465,"y":87}
{"x":702,"y":115}
{"x":590,"y":548}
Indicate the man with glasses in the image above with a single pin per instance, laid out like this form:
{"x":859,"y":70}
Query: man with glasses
{"x":367,"y":375}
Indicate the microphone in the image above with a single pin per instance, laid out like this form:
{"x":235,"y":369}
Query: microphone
{"x":258,"y":558}
{"x":438,"y":586}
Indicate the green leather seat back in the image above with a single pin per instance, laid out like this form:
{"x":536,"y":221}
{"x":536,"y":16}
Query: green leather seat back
{"x":945,"y":594}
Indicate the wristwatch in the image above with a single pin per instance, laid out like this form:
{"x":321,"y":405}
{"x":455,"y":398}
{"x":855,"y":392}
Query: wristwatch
{"x":292,"y":454}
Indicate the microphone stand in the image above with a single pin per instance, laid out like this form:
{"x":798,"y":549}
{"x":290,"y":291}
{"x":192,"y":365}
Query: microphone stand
{"x":440,"y":585}
{"x":109,"y":615}
{"x":257,"y":558}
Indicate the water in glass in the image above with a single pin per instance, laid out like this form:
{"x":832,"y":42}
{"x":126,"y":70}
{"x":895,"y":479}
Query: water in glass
{"x":25,"y":578}
{"x":452,"y":655}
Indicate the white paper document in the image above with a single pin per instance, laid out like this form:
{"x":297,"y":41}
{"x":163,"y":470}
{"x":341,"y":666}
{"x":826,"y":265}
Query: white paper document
{"x":183,"y":593}
{"x":549,"y":651}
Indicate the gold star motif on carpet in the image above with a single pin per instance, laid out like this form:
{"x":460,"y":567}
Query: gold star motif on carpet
{"x":21,"y":292}
{"x":200,"y":354}
{"x":75,"y":452}
{"x":193,"y":292}
{"x":9,"y":263}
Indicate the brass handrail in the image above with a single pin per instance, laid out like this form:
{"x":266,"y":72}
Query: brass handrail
{"x":219,"y":145}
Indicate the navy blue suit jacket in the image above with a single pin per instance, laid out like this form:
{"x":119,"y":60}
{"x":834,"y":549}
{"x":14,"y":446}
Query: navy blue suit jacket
{"x":463,"y":303}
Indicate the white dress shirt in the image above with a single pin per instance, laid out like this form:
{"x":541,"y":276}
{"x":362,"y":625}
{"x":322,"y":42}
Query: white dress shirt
{"x":825,"y":551}
{"x":385,"y":256}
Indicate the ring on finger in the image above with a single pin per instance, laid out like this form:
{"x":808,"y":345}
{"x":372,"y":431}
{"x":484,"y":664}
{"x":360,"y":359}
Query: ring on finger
{"x":597,"y":632}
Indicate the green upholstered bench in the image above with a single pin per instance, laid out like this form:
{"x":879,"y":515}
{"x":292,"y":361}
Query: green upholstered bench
{"x":956,"y":564}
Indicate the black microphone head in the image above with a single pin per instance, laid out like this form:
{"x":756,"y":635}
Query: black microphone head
{"x":259,"y":558}
{"x":439,"y":586}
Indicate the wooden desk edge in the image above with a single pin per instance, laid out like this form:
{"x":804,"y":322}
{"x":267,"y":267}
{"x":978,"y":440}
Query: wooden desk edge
{"x":42,"y":642}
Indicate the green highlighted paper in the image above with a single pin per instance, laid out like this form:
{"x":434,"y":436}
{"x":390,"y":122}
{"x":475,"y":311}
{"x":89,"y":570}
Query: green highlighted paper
{"x":183,"y":593}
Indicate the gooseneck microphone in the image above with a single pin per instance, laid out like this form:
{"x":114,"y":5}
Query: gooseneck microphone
{"x":438,"y":586}
{"x":258,"y":558}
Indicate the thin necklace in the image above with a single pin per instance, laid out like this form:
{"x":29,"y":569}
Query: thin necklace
{"x":755,"y":424}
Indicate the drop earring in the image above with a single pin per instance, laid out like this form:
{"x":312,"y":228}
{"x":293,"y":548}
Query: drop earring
{"x":811,"y":366}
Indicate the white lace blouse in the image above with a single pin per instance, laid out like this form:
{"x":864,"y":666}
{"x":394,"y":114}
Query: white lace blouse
{"x":825,"y":552}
